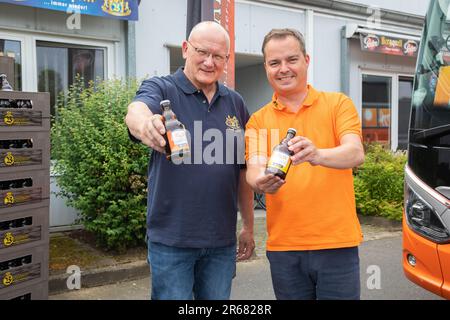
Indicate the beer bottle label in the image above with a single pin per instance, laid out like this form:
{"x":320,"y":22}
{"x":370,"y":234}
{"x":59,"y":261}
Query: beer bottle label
{"x":177,"y":140}
{"x":280,"y":161}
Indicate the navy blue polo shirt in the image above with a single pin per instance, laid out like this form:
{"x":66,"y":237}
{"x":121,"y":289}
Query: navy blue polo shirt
{"x":194,"y":204}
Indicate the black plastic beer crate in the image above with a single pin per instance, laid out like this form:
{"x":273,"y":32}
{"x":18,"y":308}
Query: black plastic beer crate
{"x":20,"y":151}
{"x":23,"y":268}
{"x":24,"y":229}
{"x":24,"y":111}
{"x":38,"y":291}
{"x":24,"y":190}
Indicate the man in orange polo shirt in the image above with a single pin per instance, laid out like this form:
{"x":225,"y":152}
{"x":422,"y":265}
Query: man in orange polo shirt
{"x":313,"y":229}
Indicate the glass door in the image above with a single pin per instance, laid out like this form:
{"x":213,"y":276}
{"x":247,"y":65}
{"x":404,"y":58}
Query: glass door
{"x":59,"y":65}
{"x":376,"y":108}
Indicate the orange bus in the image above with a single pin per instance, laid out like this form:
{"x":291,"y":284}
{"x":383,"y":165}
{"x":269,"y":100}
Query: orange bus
{"x":426,"y":219}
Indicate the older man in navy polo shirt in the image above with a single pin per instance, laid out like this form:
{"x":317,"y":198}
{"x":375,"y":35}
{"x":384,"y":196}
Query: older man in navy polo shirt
{"x":192,"y":206}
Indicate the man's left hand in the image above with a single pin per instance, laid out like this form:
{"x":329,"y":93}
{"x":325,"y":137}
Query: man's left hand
{"x":246,"y":245}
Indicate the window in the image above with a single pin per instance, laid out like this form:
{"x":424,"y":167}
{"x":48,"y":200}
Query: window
{"x":405,"y":88}
{"x":59,"y":64}
{"x":11,"y":60}
{"x":376,"y":108}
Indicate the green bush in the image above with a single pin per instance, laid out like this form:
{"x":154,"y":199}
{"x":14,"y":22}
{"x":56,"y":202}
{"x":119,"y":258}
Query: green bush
{"x":102,"y":173}
{"x":379,"y":183}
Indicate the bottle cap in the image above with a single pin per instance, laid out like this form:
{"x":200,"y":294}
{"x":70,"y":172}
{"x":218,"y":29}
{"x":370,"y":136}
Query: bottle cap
{"x":164,"y":103}
{"x":292,"y":131}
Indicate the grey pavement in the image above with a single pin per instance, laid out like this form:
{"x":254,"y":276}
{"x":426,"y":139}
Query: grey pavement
{"x":252,"y":282}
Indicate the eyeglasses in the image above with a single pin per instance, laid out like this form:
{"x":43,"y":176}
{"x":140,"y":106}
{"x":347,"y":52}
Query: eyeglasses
{"x":205,"y":54}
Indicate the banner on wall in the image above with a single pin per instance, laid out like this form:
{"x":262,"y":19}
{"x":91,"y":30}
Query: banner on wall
{"x":389,"y":45}
{"x":117,"y":9}
{"x":224,"y":14}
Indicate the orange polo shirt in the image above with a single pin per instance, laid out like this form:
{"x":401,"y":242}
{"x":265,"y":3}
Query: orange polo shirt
{"x":315,"y":209}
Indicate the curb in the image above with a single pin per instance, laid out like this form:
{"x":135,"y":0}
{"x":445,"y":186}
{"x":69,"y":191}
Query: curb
{"x":391,"y":225}
{"x":101,"y":276}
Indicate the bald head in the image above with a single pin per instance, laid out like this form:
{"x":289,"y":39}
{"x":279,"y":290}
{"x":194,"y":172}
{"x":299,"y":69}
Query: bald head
{"x":208,"y":29}
{"x":206,"y":53}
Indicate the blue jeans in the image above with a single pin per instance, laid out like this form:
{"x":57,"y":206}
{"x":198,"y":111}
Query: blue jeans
{"x":331,"y":274}
{"x":190,"y":273}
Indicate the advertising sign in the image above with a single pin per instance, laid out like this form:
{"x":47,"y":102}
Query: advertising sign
{"x":118,"y":9}
{"x":389,"y":45}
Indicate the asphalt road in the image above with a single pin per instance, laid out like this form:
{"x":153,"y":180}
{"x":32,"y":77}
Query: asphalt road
{"x":381,"y":279}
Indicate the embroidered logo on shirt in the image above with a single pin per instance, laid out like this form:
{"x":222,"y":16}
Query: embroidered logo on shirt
{"x":232,"y":123}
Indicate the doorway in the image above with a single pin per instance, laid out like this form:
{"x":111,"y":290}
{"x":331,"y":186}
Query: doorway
{"x":386,"y":107}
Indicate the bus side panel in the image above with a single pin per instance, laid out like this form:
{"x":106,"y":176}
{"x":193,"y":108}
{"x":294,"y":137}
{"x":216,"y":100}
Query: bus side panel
{"x":444,"y":257}
{"x":427,"y":272}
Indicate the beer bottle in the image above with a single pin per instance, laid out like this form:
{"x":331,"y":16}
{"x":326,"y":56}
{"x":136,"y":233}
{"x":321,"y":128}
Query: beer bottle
{"x":4,"y":225}
{"x":17,"y":223}
{"x":28,"y":143}
{"x":177,"y":146}
{"x":28,"y":221}
{"x":4,"y":144}
{"x":28,"y":182}
{"x":26,"y":259}
{"x":15,"y":263}
{"x":280,"y":160}
{"x":4,"y":185}
{"x":4,"y":103}
{"x":16,"y":184}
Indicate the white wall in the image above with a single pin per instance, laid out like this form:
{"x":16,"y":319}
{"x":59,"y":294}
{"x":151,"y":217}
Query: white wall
{"x":161,"y":23}
{"x":327,"y":53}
{"x":252,"y":84}
{"x":60,"y":214}
{"x":417,"y":7}
{"x":253,"y":22}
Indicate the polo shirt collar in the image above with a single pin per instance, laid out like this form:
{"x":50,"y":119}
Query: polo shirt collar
{"x":186,"y":85}
{"x":311,"y":97}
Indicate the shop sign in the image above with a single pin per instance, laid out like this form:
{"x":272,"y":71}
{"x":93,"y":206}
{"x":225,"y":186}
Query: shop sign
{"x":389,"y":45}
{"x":118,"y":9}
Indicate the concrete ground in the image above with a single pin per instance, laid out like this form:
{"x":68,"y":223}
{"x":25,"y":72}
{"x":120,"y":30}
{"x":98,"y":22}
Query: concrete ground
{"x":381,"y":248}
{"x":253,"y":280}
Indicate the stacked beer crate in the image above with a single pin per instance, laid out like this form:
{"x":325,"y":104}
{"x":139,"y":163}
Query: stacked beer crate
{"x":24,"y":194}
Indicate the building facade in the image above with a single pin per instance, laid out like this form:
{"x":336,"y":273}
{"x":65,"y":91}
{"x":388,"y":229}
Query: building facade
{"x":48,"y":48}
{"x":379,"y":80}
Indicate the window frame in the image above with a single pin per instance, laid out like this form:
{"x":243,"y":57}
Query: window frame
{"x":108,"y":47}
{"x":28,"y":42}
{"x":395,"y":77}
